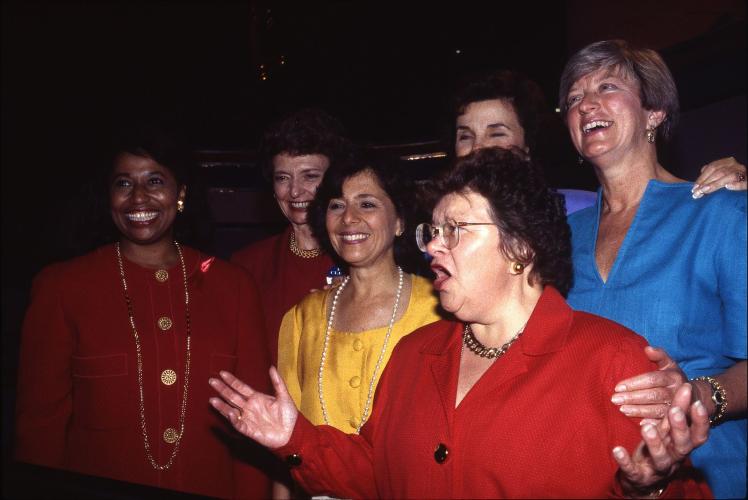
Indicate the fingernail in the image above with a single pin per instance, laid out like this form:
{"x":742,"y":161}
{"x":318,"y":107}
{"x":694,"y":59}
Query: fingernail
{"x":696,"y":195}
{"x":620,"y":388}
{"x":212,"y":381}
{"x":700,"y":408}
{"x":650,"y":431}
{"x":695,"y":187}
{"x":626,"y":410}
{"x":617,"y":399}
{"x":677,"y":414}
{"x":618,"y":452}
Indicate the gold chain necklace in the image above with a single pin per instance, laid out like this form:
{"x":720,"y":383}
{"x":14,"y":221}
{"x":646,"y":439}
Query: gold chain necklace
{"x":183,"y":408}
{"x":300,"y":252}
{"x":365,"y":413}
{"x":472,"y":343}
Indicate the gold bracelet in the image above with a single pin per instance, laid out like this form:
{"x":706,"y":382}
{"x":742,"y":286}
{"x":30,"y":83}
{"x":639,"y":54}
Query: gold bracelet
{"x":719,"y":398}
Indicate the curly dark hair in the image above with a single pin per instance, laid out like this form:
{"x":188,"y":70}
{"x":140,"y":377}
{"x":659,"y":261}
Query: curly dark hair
{"x":523,"y":94}
{"x":530,"y":216}
{"x":305,"y":132}
{"x":399,"y":188}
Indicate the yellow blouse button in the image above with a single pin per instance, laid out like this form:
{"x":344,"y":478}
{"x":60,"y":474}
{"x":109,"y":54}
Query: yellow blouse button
{"x":164,"y":322}
{"x":355,"y":381}
{"x":358,"y":344}
{"x":171,"y":435}
{"x":162,"y":275}
{"x":168,"y":377}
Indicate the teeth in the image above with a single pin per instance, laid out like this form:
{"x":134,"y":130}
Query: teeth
{"x":354,"y":237}
{"x":299,"y":204}
{"x":142,"y":216}
{"x":597,"y":123}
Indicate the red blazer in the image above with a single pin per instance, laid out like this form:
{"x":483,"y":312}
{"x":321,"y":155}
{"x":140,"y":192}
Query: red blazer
{"x":539,"y":423}
{"x":282,"y":277}
{"x":78,"y":403}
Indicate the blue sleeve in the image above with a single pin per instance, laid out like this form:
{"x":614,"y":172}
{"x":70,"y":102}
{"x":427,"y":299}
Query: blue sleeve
{"x":731,"y":262}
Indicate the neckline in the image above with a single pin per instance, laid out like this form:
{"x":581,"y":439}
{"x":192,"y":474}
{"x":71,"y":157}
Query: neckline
{"x":378,"y":329}
{"x":652,"y":185}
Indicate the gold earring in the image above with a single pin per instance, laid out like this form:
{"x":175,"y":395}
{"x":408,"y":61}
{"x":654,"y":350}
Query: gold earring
{"x":651,"y":135}
{"x":518,"y":268}
{"x":180,"y":206}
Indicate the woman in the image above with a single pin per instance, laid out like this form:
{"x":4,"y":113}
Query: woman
{"x":295,"y":153}
{"x":456,"y":419}
{"x":651,"y":258}
{"x":335,"y":343}
{"x":504,"y":109}
{"x":114,"y":342}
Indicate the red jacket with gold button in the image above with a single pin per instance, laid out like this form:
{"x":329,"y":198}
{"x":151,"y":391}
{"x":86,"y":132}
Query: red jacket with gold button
{"x":78,"y":402}
{"x":539,"y":422}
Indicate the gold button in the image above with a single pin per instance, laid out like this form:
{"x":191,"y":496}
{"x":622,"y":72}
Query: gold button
{"x":358,"y":345}
{"x":162,"y":275}
{"x":355,"y":381}
{"x":168,"y":377}
{"x":171,"y":435}
{"x":164,"y":322}
{"x":353,"y":423}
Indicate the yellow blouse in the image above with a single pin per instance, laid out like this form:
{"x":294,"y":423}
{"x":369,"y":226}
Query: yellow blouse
{"x":351,"y":357}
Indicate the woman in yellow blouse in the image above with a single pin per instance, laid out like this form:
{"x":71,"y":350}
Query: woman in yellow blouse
{"x":334,"y":344}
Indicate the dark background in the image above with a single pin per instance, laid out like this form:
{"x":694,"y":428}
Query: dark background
{"x":74,"y":72}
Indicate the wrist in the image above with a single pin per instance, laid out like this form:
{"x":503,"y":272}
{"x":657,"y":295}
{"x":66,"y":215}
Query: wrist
{"x":702,"y":391}
{"x":714,"y":398}
{"x":629,"y":489}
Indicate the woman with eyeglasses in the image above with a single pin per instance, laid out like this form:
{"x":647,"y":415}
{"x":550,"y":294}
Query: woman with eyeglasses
{"x":478,"y":406}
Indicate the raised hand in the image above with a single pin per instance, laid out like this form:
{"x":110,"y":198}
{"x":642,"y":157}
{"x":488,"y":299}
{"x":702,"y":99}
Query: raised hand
{"x":267,"y":419}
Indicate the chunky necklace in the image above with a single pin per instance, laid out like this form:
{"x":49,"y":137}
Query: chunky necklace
{"x":300,"y":252}
{"x":365,"y":413}
{"x":472,"y":343}
{"x":183,"y":408}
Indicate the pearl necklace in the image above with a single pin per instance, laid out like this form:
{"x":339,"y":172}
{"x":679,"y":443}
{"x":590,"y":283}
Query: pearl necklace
{"x":300,"y":252}
{"x":472,"y":343}
{"x":369,"y":395}
{"x":183,"y":407}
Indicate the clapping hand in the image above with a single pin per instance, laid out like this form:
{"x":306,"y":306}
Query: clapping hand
{"x":664,"y":446}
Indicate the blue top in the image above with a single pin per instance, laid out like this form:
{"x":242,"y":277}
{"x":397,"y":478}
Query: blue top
{"x":577,"y":199}
{"x":679,"y":280}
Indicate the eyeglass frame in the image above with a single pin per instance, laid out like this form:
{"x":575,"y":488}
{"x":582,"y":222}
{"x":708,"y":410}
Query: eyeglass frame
{"x":440,"y":232}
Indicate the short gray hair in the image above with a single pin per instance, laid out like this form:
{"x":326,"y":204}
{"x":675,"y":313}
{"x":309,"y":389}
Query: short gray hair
{"x":657,"y":89}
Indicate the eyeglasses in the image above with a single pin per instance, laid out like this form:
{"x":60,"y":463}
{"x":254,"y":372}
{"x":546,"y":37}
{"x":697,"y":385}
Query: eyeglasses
{"x":448,"y":233}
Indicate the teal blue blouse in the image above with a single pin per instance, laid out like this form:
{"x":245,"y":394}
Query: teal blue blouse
{"x":679,"y":280}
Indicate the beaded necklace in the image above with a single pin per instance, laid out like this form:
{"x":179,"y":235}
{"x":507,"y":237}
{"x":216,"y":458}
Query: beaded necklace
{"x":330,"y":320}
{"x":472,"y":343}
